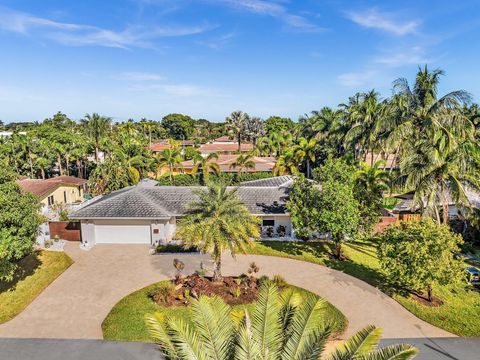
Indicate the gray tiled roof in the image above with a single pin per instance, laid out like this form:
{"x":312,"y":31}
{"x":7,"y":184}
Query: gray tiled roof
{"x":276,"y":181}
{"x":166,"y":201}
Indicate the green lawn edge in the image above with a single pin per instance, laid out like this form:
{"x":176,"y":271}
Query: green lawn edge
{"x":126,"y":320}
{"x":458,"y":314}
{"x":34,"y":274}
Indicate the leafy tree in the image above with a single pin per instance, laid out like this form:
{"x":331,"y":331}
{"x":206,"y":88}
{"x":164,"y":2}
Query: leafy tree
{"x":370,"y":184}
{"x":302,"y":207}
{"x":305,"y":151}
{"x":170,"y":158}
{"x":254,"y":129}
{"x":287,"y":164}
{"x":179,"y":126}
{"x":277,"y":124}
{"x":418,"y":255}
{"x":206,"y":165}
{"x":285,"y":326}
{"x":19,"y":222}
{"x":237,"y":124}
{"x":218,"y":221}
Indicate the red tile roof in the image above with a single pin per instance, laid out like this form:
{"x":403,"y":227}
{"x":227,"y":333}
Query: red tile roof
{"x":41,"y":188}
{"x":224,"y":161}
{"x":163,"y":144}
{"x":209,"y":148}
{"x":223,"y":139}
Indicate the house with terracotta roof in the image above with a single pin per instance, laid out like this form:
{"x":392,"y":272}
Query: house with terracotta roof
{"x":163,"y":145}
{"x":57,"y":190}
{"x":262,"y":164}
{"x":223,"y":148}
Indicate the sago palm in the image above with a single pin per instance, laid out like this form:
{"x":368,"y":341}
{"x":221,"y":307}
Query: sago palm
{"x":218,"y":221}
{"x":280,"y":326}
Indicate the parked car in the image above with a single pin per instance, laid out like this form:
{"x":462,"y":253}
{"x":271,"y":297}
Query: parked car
{"x":473,"y":275}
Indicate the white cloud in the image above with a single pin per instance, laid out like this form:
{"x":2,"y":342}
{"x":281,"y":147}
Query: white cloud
{"x":372,"y":18}
{"x":80,"y":35}
{"x":219,"y":41}
{"x":415,"y":55}
{"x":276,"y":10}
{"x":139,"y":76}
{"x":367,"y":78}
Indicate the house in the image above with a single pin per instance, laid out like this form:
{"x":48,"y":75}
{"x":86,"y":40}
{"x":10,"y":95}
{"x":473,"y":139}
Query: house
{"x":148,"y":214}
{"x":391,"y":162}
{"x":164,"y":145}
{"x":57,"y":190}
{"x":262,"y":164}
{"x":224,"y":148}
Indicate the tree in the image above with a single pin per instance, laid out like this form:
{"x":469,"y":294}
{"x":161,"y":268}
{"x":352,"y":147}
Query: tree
{"x":96,"y":127}
{"x":305,"y":151}
{"x":218,"y":221}
{"x":418,"y":255}
{"x":19,"y":222}
{"x":206,"y":165}
{"x":302,"y":207}
{"x":254,"y":129}
{"x":370,"y":184}
{"x":285,"y":326}
{"x":170,"y":158}
{"x":243,"y":162}
{"x":287,"y":164}
{"x":179,"y":126}
{"x":237,"y":124}
{"x":278,"y":124}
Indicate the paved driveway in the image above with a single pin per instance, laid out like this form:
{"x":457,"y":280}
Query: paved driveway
{"x":76,"y":303}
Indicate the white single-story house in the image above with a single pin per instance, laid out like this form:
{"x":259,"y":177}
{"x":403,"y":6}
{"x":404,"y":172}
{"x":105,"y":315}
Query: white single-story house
{"x":147,"y":214}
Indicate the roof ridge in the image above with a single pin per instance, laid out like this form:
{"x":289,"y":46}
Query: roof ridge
{"x":150,"y":201}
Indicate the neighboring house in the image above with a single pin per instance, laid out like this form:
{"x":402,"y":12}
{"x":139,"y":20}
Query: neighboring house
{"x":10,"y":133}
{"x":389,"y":159}
{"x":223,"y":148}
{"x":57,"y":190}
{"x":262,"y":164}
{"x":148,"y":214}
{"x":163,"y":145}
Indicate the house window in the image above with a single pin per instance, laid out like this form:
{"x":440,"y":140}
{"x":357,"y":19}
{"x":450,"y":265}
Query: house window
{"x":50,"y":200}
{"x":65,"y":197}
{"x":268,"y":223}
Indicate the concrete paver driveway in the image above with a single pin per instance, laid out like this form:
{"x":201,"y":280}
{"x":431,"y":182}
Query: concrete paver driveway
{"x":76,"y":303}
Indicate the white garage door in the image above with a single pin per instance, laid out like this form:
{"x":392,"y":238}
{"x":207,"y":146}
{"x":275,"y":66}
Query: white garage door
{"x":132,"y":233}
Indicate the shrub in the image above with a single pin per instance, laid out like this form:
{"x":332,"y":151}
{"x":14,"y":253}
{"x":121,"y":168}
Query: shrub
{"x":253,"y":269}
{"x":226,"y":178}
{"x":419,"y":254}
{"x":269,"y":231}
{"x":162,"y":292}
{"x":279,"y":281}
{"x":236,"y":292}
{"x":281,"y":230}
{"x":174,"y":248}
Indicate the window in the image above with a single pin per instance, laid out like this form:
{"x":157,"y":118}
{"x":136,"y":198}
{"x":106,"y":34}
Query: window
{"x":268,"y":223}
{"x":50,"y":200}
{"x":65,"y":197}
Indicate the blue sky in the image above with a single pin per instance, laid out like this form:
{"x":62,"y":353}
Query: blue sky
{"x":206,"y":58}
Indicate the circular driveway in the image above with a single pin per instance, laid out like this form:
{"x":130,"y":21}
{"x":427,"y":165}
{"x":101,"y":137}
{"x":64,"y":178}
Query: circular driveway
{"x":76,"y":303}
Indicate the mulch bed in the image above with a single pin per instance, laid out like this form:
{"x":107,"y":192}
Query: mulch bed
{"x":421,"y":298}
{"x":233,"y":290}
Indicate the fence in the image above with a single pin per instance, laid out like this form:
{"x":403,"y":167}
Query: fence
{"x":65,"y":230}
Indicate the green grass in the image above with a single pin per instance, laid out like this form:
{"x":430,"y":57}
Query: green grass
{"x":125,"y":322}
{"x":34,"y":274}
{"x":459,"y":313}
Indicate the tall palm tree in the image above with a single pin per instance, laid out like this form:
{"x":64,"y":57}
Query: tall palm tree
{"x":237,"y":124}
{"x":243,"y":162}
{"x":373,"y":179}
{"x":206,"y":165}
{"x":96,"y":127}
{"x":171,"y":158}
{"x":280,"y":326}
{"x":218,"y":221}
{"x":305,"y":151}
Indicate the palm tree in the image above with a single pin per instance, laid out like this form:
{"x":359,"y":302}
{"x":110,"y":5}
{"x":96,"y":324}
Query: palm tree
{"x":42,"y":163}
{"x":171,"y":158}
{"x":237,"y":123}
{"x":287,"y":164}
{"x":96,"y":127}
{"x":218,"y":221}
{"x":373,"y":179}
{"x":243,"y":162}
{"x":305,"y":151}
{"x":280,"y":326}
{"x":206,"y":165}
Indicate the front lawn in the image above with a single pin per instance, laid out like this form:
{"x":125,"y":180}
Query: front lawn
{"x":459,"y":313}
{"x":34,"y":274}
{"x":126,"y":320}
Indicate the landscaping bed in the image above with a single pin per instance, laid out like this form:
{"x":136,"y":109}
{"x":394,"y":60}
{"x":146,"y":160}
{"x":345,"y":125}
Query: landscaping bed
{"x":126,"y":320}
{"x":460,"y":303}
{"x":34,"y":274}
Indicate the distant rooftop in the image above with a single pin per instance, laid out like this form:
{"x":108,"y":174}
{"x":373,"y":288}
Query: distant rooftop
{"x":224,"y":161}
{"x":41,"y":188}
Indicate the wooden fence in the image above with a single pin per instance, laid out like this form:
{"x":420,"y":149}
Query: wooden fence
{"x":65,"y":230}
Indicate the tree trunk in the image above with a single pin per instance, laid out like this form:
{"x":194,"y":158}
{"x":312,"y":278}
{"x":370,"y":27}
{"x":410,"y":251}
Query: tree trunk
{"x":239,"y":138}
{"x":338,"y":249}
{"x":308,"y":169}
{"x":96,"y":153}
{"x":59,"y":160}
{"x":394,"y":161}
{"x":437,"y":214}
{"x":67,"y":165}
{"x":31,"y":165}
{"x":429,"y":293}
{"x":43,"y":173}
{"x":79,"y":168}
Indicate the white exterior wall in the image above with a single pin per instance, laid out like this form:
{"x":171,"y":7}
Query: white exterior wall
{"x":88,"y":232}
{"x":280,"y":220}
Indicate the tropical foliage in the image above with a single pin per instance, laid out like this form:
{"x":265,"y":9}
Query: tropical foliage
{"x":280,"y":326}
